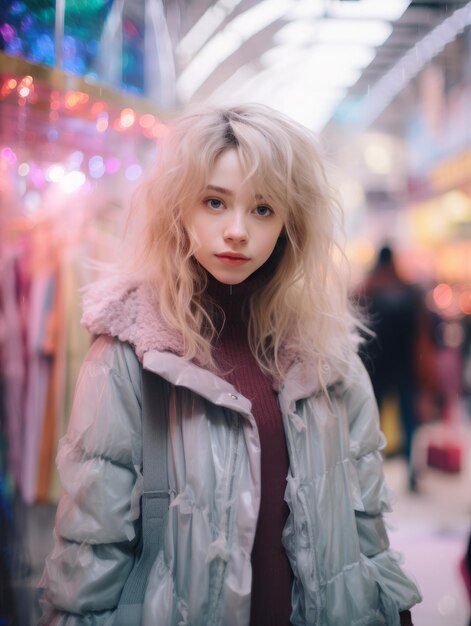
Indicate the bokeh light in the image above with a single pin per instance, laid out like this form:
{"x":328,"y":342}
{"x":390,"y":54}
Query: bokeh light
{"x":96,"y":166}
{"x":133,"y":172}
{"x":8,"y":155}
{"x":102,"y":122}
{"x":112,"y":165}
{"x":23,"y":169}
{"x":442,"y":296}
{"x":465,"y":302}
{"x":72,"y":181}
{"x":55,"y":173}
{"x":147,"y":120}
{"x":127,"y":119}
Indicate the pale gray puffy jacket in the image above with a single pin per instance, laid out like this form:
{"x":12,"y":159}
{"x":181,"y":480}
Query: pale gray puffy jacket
{"x":335,"y":538}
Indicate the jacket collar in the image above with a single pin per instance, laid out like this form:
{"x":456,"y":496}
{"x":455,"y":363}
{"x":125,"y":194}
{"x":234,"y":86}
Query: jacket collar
{"x":208,"y":385}
{"x":128,"y":311}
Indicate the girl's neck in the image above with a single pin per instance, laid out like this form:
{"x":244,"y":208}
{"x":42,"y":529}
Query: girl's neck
{"x":233,"y":300}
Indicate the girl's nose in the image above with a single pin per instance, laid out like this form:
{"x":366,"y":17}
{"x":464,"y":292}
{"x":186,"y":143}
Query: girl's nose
{"x":236,"y":229}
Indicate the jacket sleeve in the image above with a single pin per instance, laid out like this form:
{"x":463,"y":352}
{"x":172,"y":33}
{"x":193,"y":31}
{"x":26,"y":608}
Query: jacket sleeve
{"x":99,"y":462}
{"x":398,"y":591}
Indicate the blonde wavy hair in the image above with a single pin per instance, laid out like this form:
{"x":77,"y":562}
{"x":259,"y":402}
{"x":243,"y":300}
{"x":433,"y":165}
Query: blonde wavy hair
{"x":304,"y":305}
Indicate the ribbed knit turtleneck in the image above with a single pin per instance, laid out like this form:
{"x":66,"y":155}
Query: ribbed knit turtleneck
{"x":272,"y":575}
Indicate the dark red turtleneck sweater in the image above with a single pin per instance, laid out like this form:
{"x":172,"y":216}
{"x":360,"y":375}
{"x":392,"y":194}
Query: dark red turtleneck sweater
{"x":272,"y":574}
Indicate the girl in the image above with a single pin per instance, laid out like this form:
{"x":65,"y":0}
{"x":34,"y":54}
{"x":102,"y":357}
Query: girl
{"x":274,"y":449}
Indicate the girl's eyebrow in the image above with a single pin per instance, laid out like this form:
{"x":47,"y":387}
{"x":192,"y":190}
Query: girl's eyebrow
{"x":228,"y":192}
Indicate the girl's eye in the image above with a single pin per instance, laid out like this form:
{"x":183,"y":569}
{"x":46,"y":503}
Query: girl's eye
{"x":263,"y":210}
{"x":214,"y":203}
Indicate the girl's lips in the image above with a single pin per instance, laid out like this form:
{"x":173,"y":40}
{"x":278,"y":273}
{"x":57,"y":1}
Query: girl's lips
{"x":232,"y":259}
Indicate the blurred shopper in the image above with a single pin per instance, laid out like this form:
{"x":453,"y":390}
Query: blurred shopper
{"x":466,"y":357}
{"x":465,"y":569}
{"x":393,"y":308}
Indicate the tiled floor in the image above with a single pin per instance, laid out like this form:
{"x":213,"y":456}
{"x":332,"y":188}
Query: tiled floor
{"x":429,"y":528}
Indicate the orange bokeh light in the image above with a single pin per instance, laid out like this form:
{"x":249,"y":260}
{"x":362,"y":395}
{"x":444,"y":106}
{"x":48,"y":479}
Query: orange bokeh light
{"x":442,"y":295}
{"x":8,"y":87}
{"x":127,"y":119}
{"x":465,"y":302}
{"x":147,"y":120}
{"x":25,"y":87}
{"x":98,"y":108}
{"x":74,"y":98}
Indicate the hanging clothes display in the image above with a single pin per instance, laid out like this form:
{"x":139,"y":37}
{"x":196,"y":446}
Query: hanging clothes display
{"x":44,"y":343}
{"x":14,"y":294}
{"x":39,"y":370}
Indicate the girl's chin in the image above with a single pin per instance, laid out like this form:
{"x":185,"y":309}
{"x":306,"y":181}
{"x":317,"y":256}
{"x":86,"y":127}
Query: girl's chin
{"x":229,"y":281}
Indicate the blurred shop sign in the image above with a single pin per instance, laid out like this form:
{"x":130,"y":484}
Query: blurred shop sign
{"x":451,"y":174}
{"x":439,"y":133}
{"x":443,"y":218}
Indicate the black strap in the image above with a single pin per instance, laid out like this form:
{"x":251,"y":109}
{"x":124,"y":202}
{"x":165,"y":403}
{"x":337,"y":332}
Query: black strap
{"x":155,"y":496}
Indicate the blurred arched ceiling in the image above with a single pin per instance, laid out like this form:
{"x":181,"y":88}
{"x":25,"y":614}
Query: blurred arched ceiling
{"x":310,"y":58}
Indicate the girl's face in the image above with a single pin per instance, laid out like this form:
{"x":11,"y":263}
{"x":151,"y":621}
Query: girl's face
{"x":234,"y":229}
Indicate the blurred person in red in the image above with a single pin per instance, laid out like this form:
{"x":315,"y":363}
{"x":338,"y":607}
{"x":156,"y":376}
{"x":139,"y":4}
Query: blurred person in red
{"x":465,"y":569}
{"x":393,"y":309}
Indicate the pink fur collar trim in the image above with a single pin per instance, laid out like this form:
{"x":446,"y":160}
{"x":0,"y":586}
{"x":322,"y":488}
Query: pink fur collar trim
{"x":129,"y":312}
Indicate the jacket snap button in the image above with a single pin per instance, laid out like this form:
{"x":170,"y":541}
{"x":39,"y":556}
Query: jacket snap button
{"x":231,"y":395}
